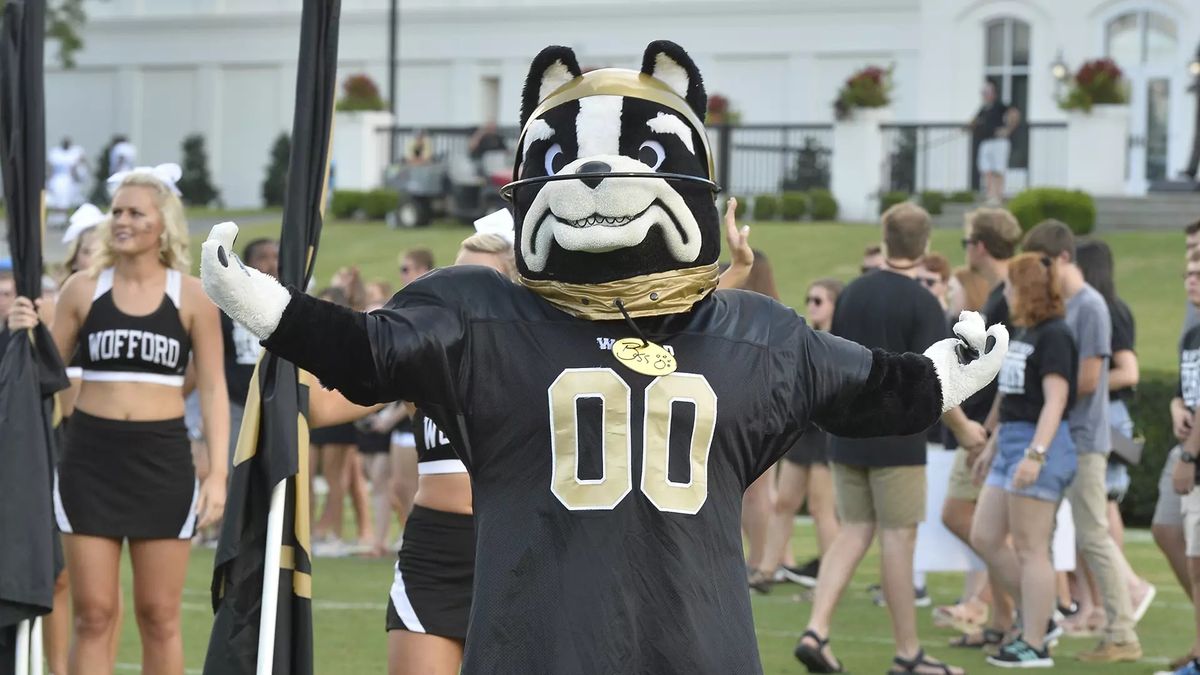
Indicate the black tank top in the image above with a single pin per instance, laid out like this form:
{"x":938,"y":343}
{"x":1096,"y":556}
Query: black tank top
{"x":117,"y":347}
{"x":434,"y":452}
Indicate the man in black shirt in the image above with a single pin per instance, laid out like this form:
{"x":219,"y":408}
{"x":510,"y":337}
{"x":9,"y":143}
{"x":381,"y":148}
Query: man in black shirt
{"x":1186,"y":473}
{"x":880,"y":482}
{"x":994,"y":125}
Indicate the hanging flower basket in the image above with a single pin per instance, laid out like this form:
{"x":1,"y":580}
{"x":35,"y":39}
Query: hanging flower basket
{"x":870,"y":87}
{"x":1097,"y":82}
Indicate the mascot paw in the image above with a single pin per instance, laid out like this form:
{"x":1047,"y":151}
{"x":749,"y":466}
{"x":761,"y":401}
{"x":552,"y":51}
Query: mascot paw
{"x":966,"y":363}
{"x":251,"y":298}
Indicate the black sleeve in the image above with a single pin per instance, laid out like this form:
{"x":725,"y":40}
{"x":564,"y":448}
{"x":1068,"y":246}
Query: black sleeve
{"x":409,"y":350}
{"x":901,"y":396}
{"x":1123,"y":330}
{"x":1056,"y":355}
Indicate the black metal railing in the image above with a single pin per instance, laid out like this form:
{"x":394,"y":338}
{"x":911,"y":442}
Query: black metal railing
{"x":756,"y":159}
{"x":941,"y":157}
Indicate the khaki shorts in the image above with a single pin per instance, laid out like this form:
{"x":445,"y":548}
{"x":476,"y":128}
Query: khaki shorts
{"x":891,"y":496}
{"x":961,"y":486}
{"x":1191,"y":522}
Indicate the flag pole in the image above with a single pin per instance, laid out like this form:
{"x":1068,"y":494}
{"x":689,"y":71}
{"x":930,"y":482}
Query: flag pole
{"x":22,"y":665}
{"x":270,"y":594}
{"x":35,"y":647}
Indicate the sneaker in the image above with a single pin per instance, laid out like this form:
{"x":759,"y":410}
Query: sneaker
{"x":1021,"y":654}
{"x":1054,"y":630}
{"x":805,"y":575}
{"x":921,"y":598}
{"x":1112,"y":652}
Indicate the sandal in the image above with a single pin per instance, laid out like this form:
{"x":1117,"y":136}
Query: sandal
{"x":904,"y":666}
{"x":814,"y":659}
{"x":978,"y":640}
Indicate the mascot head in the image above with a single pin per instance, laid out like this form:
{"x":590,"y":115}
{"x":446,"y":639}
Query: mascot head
{"x":613,"y":195}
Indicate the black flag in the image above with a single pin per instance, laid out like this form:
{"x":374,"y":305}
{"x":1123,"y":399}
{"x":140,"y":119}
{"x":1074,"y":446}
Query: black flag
{"x":30,"y":368}
{"x":273,"y":442}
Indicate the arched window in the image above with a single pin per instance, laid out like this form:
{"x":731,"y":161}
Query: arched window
{"x":1006,"y":65}
{"x":1006,"y":60}
{"x":1141,"y":37}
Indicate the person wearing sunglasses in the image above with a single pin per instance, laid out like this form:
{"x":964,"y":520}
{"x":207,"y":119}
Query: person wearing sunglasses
{"x":804,"y":474}
{"x":413,"y":263}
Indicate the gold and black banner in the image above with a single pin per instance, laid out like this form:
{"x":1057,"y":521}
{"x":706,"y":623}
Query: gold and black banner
{"x":273,"y":441}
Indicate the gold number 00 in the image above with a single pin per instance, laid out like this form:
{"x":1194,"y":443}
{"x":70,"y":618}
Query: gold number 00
{"x":616,"y":480}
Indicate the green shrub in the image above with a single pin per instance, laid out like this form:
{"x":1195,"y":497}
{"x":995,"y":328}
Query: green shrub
{"x":890,"y":199}
{"x":1075,"y":208}
{"x":793,"y":206}
{"x":346,"y":203}
{"x":1152,"y":420}
{"x":932,"y":201}
{"x":741,"y":207}
{"x":961,"y":197}
{"x":766,"y":207}
{"x":378,"y":203}
{"x":822,"y":204}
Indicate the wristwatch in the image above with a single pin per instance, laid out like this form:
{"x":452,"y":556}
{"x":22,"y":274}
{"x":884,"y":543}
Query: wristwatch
{"x":1037,"y":453}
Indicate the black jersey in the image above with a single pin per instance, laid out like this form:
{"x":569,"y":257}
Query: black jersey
{"x":117,"y":347}
{"x":607,"y":502}
{"x":435,"y":454}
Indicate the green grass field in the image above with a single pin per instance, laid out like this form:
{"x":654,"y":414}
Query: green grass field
{"x":349,"y":596}
{"x":1149,"y":264}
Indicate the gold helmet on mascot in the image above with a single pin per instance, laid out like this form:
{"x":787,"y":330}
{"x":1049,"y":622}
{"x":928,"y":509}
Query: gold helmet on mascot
{"x":613,"y":186}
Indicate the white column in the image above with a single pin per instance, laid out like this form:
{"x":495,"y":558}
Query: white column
{"x":1096,"y":149}
{"x":857,"y":163}
{"x":359,"y":153}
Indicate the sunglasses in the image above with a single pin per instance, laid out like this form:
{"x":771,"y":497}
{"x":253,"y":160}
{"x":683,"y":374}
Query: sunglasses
{"x":814,"y":301}
{"x":966,"y":243}
{"x":404,"y":269}
{"x":929,"y":282}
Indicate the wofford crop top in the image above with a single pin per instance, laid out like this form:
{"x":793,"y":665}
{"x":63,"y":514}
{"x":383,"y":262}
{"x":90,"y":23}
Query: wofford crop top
{"x":117,"y":347}
{"x":434,"y":452}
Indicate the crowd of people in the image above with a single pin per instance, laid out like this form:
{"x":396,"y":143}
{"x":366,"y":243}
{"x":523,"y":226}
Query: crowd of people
{"x":147,"y":399}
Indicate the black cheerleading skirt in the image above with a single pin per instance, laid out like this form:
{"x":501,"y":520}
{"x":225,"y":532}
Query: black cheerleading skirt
{"x":339,"y":434}
{"x":122,"y":479}
{"x":431,"y":591}
{"x":810,"y":449}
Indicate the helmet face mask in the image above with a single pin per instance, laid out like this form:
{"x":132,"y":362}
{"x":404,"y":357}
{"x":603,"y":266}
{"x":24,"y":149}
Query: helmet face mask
{"x":631,"y":192}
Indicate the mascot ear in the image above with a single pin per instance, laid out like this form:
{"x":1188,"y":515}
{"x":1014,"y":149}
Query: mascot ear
{"x":666,"y":61}
{"x":552,"y":68}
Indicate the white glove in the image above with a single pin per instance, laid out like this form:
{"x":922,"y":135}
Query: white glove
{"x":249,"y":297}
{"x":959,"y":380}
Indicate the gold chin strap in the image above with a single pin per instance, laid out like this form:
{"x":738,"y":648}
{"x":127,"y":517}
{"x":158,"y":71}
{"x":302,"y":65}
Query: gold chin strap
{"x":655,"y":294}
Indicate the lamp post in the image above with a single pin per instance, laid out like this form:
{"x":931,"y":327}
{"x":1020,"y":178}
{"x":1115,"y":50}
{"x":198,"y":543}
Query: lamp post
{"x":393,"y":43}
{"x":1060,"y":72}
{"x":1194,"y":161}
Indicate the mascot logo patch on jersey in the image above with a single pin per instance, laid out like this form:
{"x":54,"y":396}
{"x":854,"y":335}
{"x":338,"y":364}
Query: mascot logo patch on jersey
{"x":643,"y":200}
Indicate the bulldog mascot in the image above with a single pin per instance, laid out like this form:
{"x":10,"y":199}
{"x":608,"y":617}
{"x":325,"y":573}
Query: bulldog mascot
{"x":611,"y":408}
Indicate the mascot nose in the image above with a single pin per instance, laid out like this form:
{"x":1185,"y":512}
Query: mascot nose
{"x":593,"y":167}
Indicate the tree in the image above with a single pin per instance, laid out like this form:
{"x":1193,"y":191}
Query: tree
{"x":276,"y":181}
{"x":196,"y":184}
{"x":64,"y":20}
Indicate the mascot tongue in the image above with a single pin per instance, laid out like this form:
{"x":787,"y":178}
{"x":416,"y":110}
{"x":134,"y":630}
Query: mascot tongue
{"x":612,"y":189}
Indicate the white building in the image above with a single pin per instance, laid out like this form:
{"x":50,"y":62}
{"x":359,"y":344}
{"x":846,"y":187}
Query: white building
{"x":158,"y":70}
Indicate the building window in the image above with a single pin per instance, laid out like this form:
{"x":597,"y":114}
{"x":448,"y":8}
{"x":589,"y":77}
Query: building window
{"x":1143,"y":37}
{"x":1006,"y":66}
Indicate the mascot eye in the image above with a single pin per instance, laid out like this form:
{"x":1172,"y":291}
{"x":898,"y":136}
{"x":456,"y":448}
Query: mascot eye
{"x":652,"y":154}
{"x":555,"y":160}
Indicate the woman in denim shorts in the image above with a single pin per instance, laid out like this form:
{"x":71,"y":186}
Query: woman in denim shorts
{"x":1032,"y":457}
